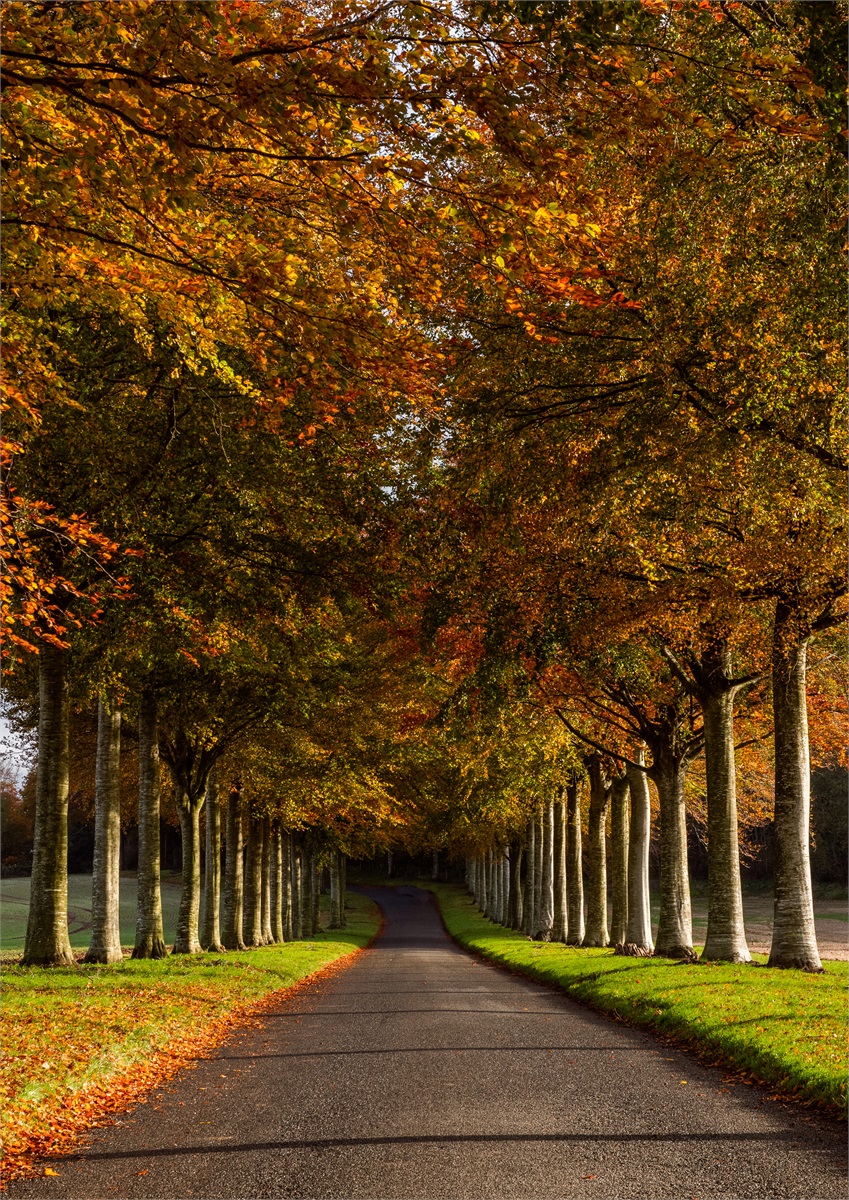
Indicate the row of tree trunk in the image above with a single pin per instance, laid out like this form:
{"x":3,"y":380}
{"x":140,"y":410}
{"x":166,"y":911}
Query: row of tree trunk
{"x":536,"y":884}
{"x":269,"y":889}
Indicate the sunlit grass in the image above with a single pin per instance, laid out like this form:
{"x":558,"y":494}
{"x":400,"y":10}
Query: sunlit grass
{"x":67,"y":1028}
{"x":786,"y":1029}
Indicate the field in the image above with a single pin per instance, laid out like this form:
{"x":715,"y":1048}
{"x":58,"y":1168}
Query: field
{"x":14,"y":905}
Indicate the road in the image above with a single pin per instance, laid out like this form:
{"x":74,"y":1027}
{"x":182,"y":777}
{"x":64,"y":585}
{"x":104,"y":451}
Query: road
{"x":421,"y":1072}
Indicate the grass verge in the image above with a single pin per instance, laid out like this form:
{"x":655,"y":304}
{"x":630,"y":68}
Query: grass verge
{"x":784,"y":1029}
{"x":84,"y":1042}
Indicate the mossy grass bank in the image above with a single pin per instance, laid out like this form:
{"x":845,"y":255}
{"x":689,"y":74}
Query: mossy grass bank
{"x":81,"y":1041}
{"x":785,"y":1029}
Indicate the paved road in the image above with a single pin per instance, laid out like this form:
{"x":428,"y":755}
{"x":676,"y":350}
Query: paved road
{"x":420,"y":1072}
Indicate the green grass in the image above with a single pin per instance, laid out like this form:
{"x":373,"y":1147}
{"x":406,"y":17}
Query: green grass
{"x":785,"y":1029}
{"x":68,"y":1028}
{"x":14,"y":899}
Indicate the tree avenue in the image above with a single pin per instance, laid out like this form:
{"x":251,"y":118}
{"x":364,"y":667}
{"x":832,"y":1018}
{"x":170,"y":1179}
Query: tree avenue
{"x":424,"y":435}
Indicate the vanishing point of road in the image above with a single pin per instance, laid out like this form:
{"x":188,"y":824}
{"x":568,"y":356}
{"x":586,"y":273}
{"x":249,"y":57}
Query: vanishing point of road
{"x":421,"y":1073}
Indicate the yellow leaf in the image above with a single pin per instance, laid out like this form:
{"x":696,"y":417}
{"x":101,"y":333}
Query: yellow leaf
{"x":50,"y":1171}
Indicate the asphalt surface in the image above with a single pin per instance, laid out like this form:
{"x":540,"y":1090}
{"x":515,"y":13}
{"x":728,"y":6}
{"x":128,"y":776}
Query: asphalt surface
{"x":421,"y":1072}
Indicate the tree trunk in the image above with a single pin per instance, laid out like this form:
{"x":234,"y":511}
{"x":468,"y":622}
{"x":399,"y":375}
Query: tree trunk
{"x":528,"y":914}
{"x":516,"y":904}
{"x":560,"y":927}
{"x":619,"y":822}
{"x":335,"y":896}
{"x":545,"y":916}
{"x":315,"y":892}
{"x":638,"y":939}
{"x":105,"y":944}
{"x":307,"y":923}
{"x":794,"y":939}
{"x":234,"y":882}
{"x":278,"y":885}
{"x":252,"y":931}
{"x":435,"y":870}
{"x":343,"y":886}
{"x":726,"y":935}
{"x":286,"y":851}
{"x":47,"y":941}
{"x":675,"y":923}
{"x":505,"y":888}
{"x":539,"y":871}
{"x":297,"y":893}
{"x":574,"y":867}
{"x":596,"y":928}
{"x":267,"y":932}
{"x":150,"y":937}
{"x":210,"y":931}
{"x":497,"y":888}
{"x":187,"y":940}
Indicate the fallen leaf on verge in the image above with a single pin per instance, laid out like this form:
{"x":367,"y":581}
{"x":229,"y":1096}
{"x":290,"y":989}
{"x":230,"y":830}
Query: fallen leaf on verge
{"x":588,"y":1177}
{"x":141,"y":1172}
{"x":50,"y":1171}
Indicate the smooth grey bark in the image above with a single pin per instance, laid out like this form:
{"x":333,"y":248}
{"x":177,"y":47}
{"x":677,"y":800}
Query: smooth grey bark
{"x":516,"y":886}
{"x":505,"y":888}
{"x":471,"y":866}
{"x":638,"y":939}
{"x":286,"y":850}
{"x":297,"y":892}
{"x":265,"y":894}
{"x":619,"y":827}
{"x":794,"y":938}
{"x":252,"y":929}
{"x":574,"y":866}
{"x":528,"y":916}
{"x":234,"y":881}
{"x":560,"y":925}
{"x":498,"y":868}
{"x":150,"y":936}
{"x":335,"y":895}
{"x":725,"y":940}
{"x":190,"y":760}
{"x":315,"y":892}
{"x":306,"y":909}
{"x":675,"y":920}
{"x":711,"y":682}
{"x":389,"y":864}
{"x":47,"y":942}
{"x":487,"y":884}
{"x":343,"y":886}
{"x":105,"y":945}
{"x":435,"y":870}
{"x":210,"y":929}
{"x":545,"y":916}
{"x":595,"y":933}
{"x":187,"y":940}
{"x":539,"y":850}
{"x":278,"y":886}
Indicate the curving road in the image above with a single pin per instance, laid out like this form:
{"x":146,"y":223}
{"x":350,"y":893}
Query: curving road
{"x":420,"y":1072}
